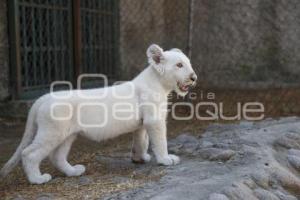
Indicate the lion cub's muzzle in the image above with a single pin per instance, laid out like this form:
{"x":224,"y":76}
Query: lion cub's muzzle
{"x":193,"y":80}
{"x":188,"y":84}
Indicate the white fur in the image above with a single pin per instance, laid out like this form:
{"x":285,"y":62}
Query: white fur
{"x":54,"y":138}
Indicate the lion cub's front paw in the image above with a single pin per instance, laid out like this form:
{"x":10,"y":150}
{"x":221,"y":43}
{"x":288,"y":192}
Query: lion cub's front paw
{"x":169,"y":160}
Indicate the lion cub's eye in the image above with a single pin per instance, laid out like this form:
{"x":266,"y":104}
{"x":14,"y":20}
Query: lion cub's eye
{"x":179,"y":65}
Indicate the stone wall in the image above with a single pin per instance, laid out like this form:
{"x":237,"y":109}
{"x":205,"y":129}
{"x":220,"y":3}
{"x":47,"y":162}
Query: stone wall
{"x":4,"y":51}
{"x":247,"y":42}
{"x":235,"y":43}
{"x":149,"y":21}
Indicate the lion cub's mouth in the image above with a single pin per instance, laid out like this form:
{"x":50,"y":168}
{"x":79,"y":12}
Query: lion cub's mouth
{"x":182,"y":87}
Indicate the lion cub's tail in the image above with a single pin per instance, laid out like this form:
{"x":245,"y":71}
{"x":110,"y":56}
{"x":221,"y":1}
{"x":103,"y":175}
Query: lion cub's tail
{"x":28,"y":136}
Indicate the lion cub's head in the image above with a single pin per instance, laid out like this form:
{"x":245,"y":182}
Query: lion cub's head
{"x":174,"y":67}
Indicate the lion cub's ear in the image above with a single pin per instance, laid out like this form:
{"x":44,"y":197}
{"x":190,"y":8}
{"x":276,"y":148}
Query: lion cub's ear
{"x":156,"y":57}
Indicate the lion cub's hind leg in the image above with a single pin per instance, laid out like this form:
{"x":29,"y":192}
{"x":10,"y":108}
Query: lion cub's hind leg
{"x":43,"y":144}
{"x":59,"y":158}
{"x":31,"y":159}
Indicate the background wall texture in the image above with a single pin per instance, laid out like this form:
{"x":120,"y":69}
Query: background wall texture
{"x":244,"y":41}
{"x":234,"y":43}
{"x":4,"y":54}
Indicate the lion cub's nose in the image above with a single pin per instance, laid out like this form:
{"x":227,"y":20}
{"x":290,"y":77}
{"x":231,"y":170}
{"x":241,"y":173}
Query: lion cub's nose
{"x":193,"y":77}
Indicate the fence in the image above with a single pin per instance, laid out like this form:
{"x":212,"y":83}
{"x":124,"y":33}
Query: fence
{"x":60,"y":39}
{"x":233,"y":44}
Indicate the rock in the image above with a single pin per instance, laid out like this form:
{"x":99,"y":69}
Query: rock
{"x":174,"y":148}
{"x":286,"y":179}
{"x":294,"y":161}
{"x":223,"y":144}
{"x":84,"y":180}
{"x":45,"y":196}
{"x":290,"y":141}
{"x":249,"y":183}
{"x":186,"y":139}
{"x":246,"y":124}
{"x":239,"y":191}
{"x":257,"y":168}
{"x":183,"y":144}
{"x":283,"y":196}
{"x":261,"y":178}
{"x":223,"y":156}
{"x":294,"y":158}
{"x":116,"y":163}
{"x":265,"y":195}
{"x":206,"y":144}
{"x":218,"y":197}
{"x":215,"y":154}
{"x":294,"y":152}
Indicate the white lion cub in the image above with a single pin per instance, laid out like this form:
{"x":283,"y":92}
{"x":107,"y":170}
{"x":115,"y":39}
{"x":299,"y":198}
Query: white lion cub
{"x":138,"y":106}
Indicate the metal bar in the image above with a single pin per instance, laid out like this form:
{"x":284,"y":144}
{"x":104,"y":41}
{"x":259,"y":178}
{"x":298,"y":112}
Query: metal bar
{"x":87,"y":42}
{"x":94,"y":40}
{"x":62,"y":45}
{"x":104,"y":27}
{"x":56,"y":72}
{"x":91,"y":56}
{"x":90,"y":32}
{"x":112,"y":37}
{"x":106,"y":43}
{"x":69,"y":51}
{"x":48,"y":45}
{"x":42,"y":75}
{"x":33,"y":47}
{"x":90,"y":41}
{"x":83,"y":41}
{"x":98,"y":41}
{"x":97,"y":2}
{"x":15,"y":56}
{"x":24,"y":50}
{"x":116,"y":40}
{"x":77,"y":37}
{"x":101,"y":20}
{"x":110,"y":31}
{"x":190,"y":27}
{"x":109,"y":43}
